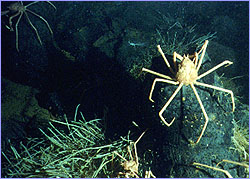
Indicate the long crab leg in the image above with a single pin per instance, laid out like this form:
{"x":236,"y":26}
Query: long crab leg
{"x":220,"y":89}
{"x":165,"y":59}
{"x":166,"y":105}
{"x":51,"y":4}
{"x":136,"y":156}
{"x":203,"y":110}
{"x":214,"y":168}
{"x":159,"y":80}
{"x":35,"y":14}
{"x":226,"y":62}
{"x":30,"y":4}
{"x":195,"y":59}
{"x":10,"y":19}
{"x":202,"y":55}
{"x":16,"y":27}
{"x":156,"y":73}
{"x":33,"y":27}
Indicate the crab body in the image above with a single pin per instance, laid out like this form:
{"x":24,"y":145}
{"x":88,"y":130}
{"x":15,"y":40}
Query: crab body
{"x":17,"y":7}
{"x":187,"y":73}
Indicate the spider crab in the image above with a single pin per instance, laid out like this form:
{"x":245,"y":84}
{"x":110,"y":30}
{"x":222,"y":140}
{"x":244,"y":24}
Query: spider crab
{"x":131,"y":166}
{"x":19,"y":9}
{"x":187,"y":74}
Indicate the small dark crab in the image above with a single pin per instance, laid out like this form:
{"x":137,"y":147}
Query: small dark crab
{"x":19,"y":10}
